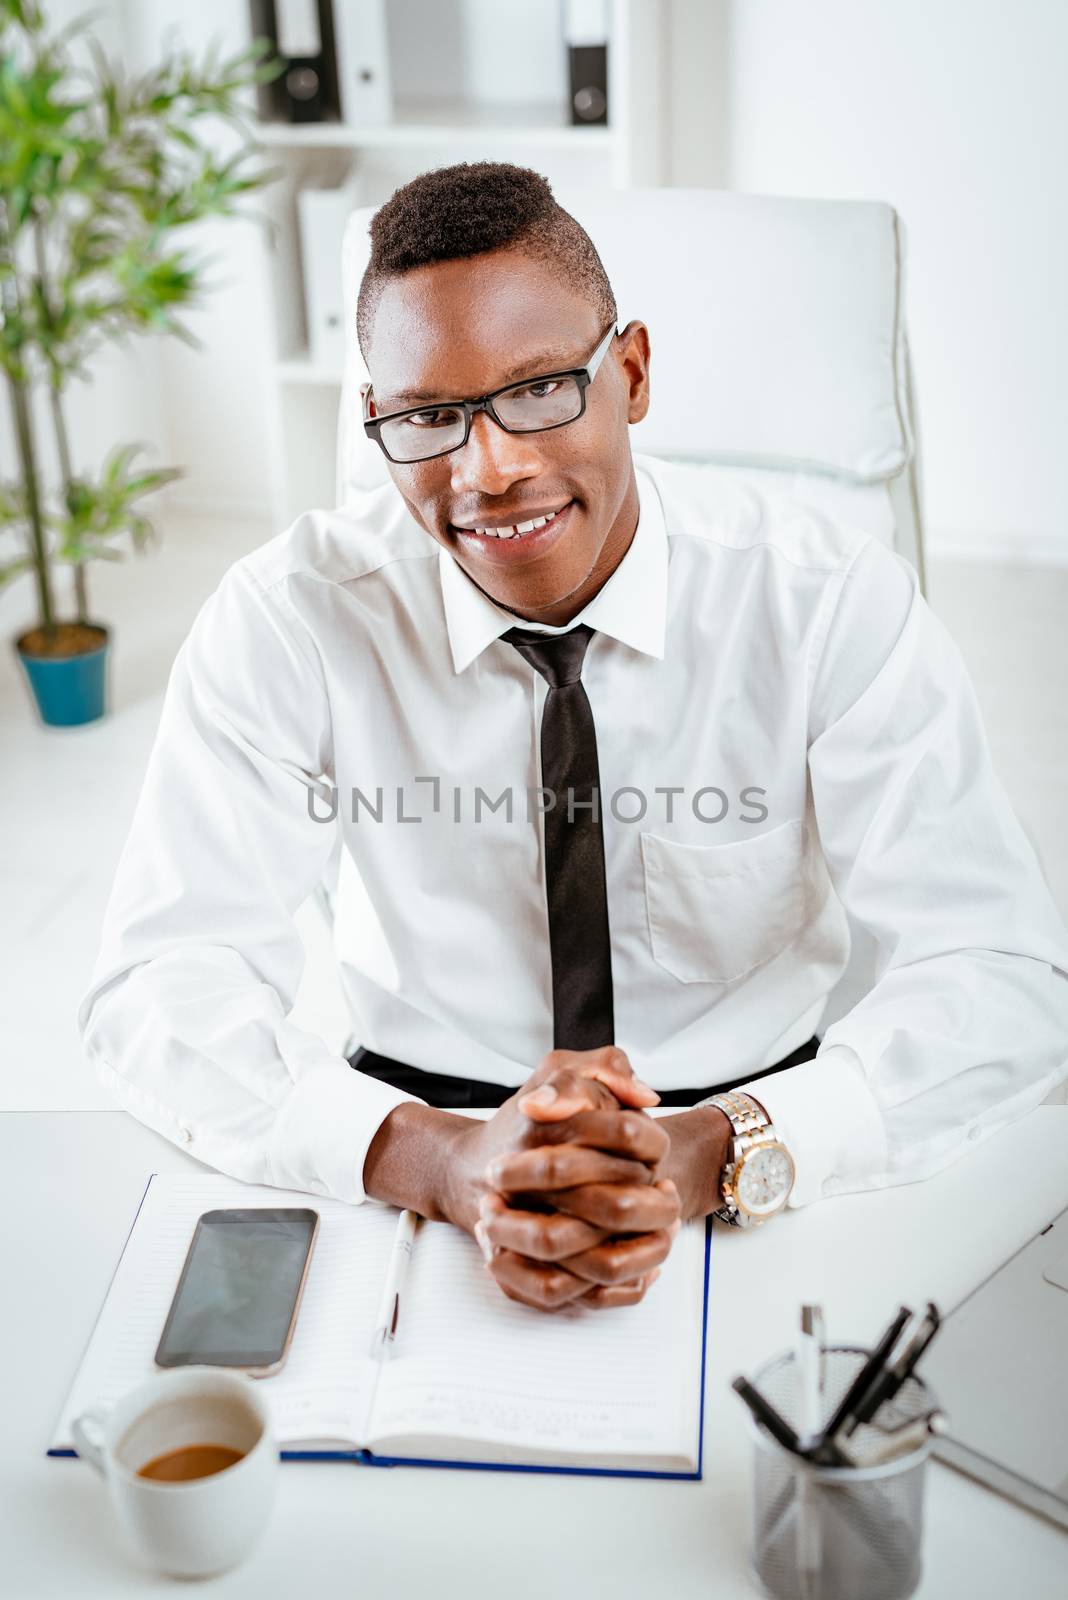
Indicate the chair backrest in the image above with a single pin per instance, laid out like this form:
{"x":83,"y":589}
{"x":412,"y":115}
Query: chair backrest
{"x":778,"y":345}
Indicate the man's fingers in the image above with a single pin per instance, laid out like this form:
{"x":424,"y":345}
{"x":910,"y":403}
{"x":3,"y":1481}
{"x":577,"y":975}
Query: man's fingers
{"x":628,"y":1090}
{"x":543,"y":1236}
{"x":563,"y":1094}
{"x":622,"y":1133}
{"x":622,"y":1208}
{"x":605,"y":1297}
{"x":562,"y":1166}
{"x":558,"y":1091}
{"x":567,"y":1092}
{"x":540,"y":1284}
{"x":617,"y":1261}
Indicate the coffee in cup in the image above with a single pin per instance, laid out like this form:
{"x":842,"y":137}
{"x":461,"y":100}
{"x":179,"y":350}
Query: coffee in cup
{"x":189,"y":1461}
{"x":190,"y":1464}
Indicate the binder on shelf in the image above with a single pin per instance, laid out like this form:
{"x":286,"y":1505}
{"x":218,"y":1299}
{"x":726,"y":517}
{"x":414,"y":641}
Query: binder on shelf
{"x":586,"y":39}
{"x":323,"y":214}
{"x":362,"y":44}
{"x":302,"y":32}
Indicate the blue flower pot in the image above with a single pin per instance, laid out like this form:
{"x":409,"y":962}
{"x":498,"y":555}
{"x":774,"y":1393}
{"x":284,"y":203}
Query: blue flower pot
{"x":69,"y":690}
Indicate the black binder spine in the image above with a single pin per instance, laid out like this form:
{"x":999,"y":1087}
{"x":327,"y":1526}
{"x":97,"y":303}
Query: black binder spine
{"x":588,"y":83}
{"x":307,"y":91}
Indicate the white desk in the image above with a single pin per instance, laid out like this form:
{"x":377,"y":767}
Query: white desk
{"x":71,"y":1182}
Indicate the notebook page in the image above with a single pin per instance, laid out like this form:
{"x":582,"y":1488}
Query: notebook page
{"x":472,"y":1365}
{"x":324,"y":1390}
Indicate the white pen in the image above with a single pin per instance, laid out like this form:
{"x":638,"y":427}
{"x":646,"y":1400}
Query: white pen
{"x":809,"y":1359}
{"x":389,"y":1310}
{"x":810,"y":1372}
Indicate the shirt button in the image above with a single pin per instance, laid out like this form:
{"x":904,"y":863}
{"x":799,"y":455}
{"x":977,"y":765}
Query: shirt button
{"x":974,"y":1133}
{"x":185,"y":1134}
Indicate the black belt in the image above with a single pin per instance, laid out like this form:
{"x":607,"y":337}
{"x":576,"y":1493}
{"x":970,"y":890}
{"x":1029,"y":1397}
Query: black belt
{"x":449,"y":1093}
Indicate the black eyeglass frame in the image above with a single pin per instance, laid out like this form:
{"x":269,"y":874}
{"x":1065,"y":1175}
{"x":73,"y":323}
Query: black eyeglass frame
{"x":583,"y":376}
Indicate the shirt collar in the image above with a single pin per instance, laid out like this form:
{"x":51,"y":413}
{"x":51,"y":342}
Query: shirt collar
{"x":631,"y":606}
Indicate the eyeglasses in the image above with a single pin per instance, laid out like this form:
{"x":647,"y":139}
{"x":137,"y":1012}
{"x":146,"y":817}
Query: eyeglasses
{"x":533,"y":406}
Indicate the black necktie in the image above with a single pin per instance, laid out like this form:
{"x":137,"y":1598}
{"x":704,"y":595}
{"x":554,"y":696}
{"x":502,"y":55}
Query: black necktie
{"x":579,"y":943}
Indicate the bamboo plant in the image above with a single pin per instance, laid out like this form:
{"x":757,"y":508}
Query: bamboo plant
{"x":99,"y":173}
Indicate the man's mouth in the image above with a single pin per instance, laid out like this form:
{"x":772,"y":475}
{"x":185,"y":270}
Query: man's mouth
{"x":518,"y":530}
{"x":519,"y":541}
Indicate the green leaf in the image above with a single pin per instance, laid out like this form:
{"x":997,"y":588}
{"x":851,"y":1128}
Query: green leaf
{"x":100,"y":168}
{"x":10,"y":570}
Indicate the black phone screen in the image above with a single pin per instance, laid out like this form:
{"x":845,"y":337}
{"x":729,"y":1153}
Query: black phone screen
{"x":239,"y":1289}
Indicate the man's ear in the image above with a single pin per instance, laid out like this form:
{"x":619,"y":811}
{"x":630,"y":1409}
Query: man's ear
{"x":634,"y":360}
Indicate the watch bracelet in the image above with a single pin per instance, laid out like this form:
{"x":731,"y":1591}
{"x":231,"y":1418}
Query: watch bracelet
{"x":748,"y":1120}
{"x":745,"y":1113}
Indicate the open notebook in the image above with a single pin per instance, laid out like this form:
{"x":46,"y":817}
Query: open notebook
{"x":475,"y":1379}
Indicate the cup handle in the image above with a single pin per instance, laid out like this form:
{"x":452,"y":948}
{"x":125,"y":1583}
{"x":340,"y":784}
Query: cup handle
{"x":87,"y":1432}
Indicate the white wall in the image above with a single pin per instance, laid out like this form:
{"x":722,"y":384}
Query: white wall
{"x":214,"y":402}
{"x":955,"y":111}
{"x":698,"y":58}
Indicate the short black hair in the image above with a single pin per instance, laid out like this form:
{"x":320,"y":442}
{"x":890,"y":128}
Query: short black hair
{"x":470,"y":209}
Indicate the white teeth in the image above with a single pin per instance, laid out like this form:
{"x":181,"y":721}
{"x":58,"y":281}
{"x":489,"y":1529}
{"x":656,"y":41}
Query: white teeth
{"x":514,"y":532}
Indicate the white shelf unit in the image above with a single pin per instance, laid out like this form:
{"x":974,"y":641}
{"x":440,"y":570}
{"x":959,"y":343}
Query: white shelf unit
{"x":446,"y":123}
{"x":427,"y":132}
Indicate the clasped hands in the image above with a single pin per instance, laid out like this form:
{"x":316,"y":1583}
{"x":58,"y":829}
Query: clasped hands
{"x":565,"y":1188}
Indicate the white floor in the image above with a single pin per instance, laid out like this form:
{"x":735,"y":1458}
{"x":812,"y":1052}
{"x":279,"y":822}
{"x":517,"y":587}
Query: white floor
{"x":68,"y":794}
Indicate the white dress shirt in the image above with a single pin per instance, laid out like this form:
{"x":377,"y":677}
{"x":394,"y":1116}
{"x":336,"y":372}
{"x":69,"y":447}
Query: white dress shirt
{"x":779,"y":673}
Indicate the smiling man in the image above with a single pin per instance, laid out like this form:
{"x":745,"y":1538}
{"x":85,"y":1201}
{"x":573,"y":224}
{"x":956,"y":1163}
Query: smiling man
{"x":607,"y":748}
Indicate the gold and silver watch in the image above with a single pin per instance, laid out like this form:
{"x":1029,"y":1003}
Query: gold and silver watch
{"x":758,"y":1174}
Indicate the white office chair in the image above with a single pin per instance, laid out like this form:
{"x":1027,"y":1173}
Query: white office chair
{"x":778,"y":353}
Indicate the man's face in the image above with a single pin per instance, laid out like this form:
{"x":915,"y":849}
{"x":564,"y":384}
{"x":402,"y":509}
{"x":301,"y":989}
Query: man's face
{"x":458,"y":329}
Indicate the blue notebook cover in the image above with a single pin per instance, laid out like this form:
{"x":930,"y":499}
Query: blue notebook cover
{"x":367,"y":1458}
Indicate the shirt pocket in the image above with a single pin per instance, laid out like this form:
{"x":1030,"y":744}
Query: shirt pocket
{"x":717,"y":912}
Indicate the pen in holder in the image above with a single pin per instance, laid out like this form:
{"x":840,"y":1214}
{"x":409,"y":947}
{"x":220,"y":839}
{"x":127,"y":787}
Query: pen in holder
{"x":838,"y":1532}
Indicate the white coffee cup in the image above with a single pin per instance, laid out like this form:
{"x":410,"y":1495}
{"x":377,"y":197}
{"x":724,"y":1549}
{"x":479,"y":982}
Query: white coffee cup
{"x":199,"y":1526}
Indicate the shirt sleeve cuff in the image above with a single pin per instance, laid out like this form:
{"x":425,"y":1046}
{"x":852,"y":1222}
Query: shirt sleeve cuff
{"x":827,"y":1117}
{"x":324,"y":1129}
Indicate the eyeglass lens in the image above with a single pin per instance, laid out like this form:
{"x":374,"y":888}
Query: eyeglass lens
{"x":525,"y":409}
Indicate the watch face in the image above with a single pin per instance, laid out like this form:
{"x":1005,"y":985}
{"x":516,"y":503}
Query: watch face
{"x":765,"y":1179}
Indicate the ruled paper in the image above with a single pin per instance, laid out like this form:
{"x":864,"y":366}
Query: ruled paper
{"x":470,"y":1364}
{"x":323,"y":1392}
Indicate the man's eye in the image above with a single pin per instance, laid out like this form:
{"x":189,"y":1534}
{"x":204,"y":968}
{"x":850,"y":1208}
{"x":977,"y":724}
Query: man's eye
{"x":431,"y":419}
{"x":537,"y":391}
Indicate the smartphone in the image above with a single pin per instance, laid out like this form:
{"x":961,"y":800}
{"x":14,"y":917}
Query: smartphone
{"x":239,"y":1293}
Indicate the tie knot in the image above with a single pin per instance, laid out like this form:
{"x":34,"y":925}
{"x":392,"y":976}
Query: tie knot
{"x":557,"y":656}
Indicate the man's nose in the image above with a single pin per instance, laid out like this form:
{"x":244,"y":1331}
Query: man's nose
{"x":492,"y":459}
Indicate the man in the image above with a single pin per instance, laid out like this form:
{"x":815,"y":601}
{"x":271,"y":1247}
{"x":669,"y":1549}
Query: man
{"x":610,"y":749}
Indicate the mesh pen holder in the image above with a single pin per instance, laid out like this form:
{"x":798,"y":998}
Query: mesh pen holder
{"x":837,"y":1533}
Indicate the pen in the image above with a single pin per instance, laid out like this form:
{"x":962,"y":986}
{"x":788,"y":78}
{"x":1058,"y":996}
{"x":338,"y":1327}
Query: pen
{"x":824,"y":1448}
{"x":809,"y":1537}
{"x":766,"y":1414}
{"x":809,"y":1375}
{"x":897,"y":1371}
{"x":389,"y":1310}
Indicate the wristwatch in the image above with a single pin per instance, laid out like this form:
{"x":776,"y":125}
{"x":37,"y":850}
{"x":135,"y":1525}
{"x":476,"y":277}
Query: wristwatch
{"x":758,"y":1174}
